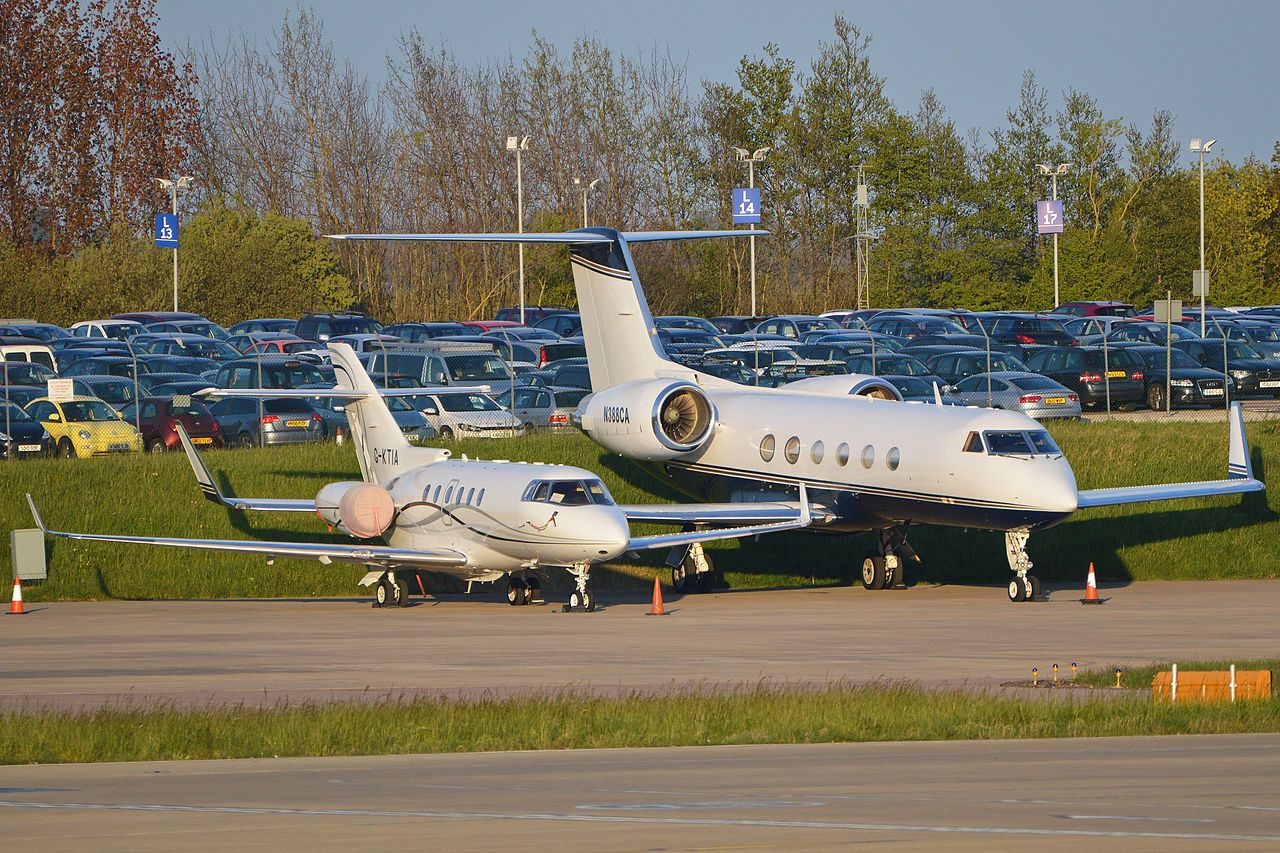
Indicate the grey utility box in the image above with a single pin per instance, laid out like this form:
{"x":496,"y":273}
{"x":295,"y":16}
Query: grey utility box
{"x":26,"y":547}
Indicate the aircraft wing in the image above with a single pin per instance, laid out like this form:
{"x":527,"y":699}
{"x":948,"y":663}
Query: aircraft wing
{"x":368,"y":555}
{"x":795,"y":519}
{"x":213,"y":493}
{"x":722,"y":513}
{"x":1240,"y":479}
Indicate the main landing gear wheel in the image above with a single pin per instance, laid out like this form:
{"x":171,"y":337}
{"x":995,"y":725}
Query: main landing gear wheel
{"x":388,"y":593}
{"x":402,"y":591}
{"x":873,"y":572}
{"x":679,"y":577}
{"x":517,"y":592}
{"x":531,"y":589}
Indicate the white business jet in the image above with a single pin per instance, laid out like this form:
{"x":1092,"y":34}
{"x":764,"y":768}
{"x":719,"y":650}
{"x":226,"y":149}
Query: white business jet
{"x":876,"y":463}
{"x":478,"y":520}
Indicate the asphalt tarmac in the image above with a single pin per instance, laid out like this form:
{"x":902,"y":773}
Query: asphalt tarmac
{"x":200,"y":653}
{"x":1169,"y":793}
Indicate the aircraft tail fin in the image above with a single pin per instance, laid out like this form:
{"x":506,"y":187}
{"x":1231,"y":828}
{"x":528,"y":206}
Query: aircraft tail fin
{"x":612,"y":302}
{"x":381,"y":448}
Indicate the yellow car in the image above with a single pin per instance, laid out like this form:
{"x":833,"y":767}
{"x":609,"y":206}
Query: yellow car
{"x":84,"y":427}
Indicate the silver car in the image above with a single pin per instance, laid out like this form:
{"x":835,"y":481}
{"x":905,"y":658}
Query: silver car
{"x":466,"y":414}
{"x":1030,"y":393}
{"x":537,"y":406}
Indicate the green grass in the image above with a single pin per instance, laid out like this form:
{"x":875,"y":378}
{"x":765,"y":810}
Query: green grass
{"x":1204,"y":538}
{"x":841,"y":713}
{"x":1139,"y":677}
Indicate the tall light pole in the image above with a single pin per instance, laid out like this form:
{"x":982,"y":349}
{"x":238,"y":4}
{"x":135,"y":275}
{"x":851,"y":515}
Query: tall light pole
{"x":518,"y":144}
{"x":1053,"y":173}
{"x":179,"y":183}
{"x":585,"y":189}
{"x":751,"y":159}
{"x":1203,"y":149}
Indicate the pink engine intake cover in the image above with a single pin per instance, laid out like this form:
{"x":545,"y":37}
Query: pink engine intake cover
{"x":366,"y":510}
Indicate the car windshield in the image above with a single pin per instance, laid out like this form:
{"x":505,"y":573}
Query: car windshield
{"x":1035,"y":383}
{"x":80,"y":411}
{"x":911,"y":386}
{"x":1006,"y":363}
{"x":1155,"y":358}
{"x":816,"y":323}
{"x":182,"y":404}
{"x":291,"y":375}
{"x":24,"y":373}
{"x":1236,"y":349}
{"x":210,"y":349}
{"x":355,"y":326}
{"x":122,"y":331}
{"x":117,"y":393}
{"x":468,"y":403}
{"x":13,"y":412}
{"x":1264,"y":334}
{"x":477,"y":368}
{"x":941,"y":327}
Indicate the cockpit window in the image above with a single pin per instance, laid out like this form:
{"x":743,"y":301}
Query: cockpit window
{"x":569,"y":492}
{"x":973,"y":444}
{"x":1007,"y":442}
{"x":1019,"y":443}
{"x":1043,"y":442}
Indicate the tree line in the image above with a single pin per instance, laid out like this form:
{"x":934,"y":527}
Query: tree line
{"x":288,"y":141}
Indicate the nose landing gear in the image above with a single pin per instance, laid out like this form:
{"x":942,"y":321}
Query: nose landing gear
{"x":1025,"y":586}
{"x":581,"y":598}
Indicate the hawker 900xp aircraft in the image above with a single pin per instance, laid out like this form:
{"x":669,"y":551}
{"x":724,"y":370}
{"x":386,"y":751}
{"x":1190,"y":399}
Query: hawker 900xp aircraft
{"x":876,"y":463}
{"x":477,"y":520}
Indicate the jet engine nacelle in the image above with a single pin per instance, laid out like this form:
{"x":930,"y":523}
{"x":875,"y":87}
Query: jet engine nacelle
{"x":848,"y":385}
{"x":362,"y":510}
{"x":653,"y":419}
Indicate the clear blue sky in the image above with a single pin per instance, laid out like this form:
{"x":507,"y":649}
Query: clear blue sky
{"x":1214,"y":65}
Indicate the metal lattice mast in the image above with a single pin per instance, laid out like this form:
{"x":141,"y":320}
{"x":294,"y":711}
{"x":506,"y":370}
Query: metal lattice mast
{"x":862,"y":242}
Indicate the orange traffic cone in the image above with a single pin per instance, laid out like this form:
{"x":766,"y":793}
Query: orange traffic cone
{"x":15,"y":606}
{"x":1091,"y":589}
{"x":656,"y":609}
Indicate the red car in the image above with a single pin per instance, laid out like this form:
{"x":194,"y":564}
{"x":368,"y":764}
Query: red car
{"x":159,"y":414}
{"x":490,"y":325}
{"x":282,"y":346}
{"x":1095,"y":309}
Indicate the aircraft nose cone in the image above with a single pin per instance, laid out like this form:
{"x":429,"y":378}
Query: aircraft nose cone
{"x":614,"y":532}
{"x":1057,"y":491}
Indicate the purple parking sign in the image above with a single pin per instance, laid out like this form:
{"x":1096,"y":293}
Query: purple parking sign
{"x":1049,"y":217}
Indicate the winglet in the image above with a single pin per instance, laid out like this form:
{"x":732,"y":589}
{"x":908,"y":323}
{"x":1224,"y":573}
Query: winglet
{"x":203,"y":476}
{"x":1239,"y":465}
{"x":35,"y":513}
{"x":806,"y":513}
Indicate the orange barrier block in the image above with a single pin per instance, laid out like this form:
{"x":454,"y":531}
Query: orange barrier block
{"x":1211,"y":686}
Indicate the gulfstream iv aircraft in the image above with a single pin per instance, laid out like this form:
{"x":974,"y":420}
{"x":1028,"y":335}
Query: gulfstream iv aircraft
{"x":477,"y":520}
{"x":874,"y":462}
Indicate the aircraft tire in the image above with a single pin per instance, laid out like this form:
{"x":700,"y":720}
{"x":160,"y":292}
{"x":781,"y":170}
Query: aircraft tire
{"x":679,"y":577}
{"x":382,"y":593}
{"x":1033,"y":588}
{"x":873,"y":572}
{"x":588,"y":602}
{"x":1017,"y":590}
{"x":402,"y":592}
{"x":517,"y":592}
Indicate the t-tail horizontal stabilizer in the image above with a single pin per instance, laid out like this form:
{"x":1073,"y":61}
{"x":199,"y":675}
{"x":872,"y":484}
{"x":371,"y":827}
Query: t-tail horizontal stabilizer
{"x":1240,"y":479}
{"x":213,"y":493}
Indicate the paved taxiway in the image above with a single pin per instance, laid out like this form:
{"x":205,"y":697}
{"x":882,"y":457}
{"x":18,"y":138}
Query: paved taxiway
{"x":73,"y":655}
{"x":1181,"y":793}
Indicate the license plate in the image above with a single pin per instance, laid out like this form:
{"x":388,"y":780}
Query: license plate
{"x":1115,"y":374}
{"x":1212,"y":392}
{"x":1270,"y":383}
{"x":1056,"y":401}
{"x":28,"y":448}
{"x":118,"y":446}
{"x":295,"y":423}
{"x":203,"y":440}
